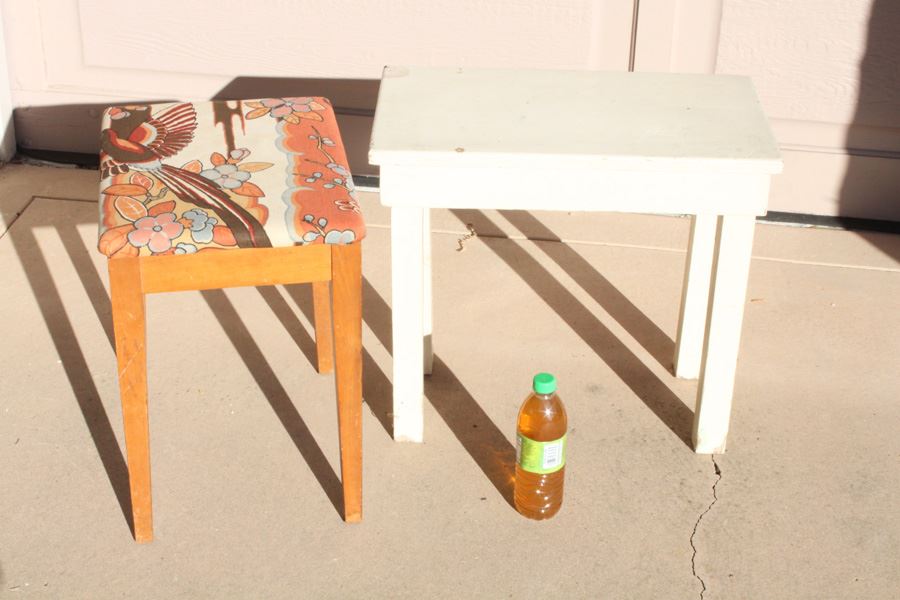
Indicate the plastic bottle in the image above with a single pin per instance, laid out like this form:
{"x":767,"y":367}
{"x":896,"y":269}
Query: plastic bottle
{"x":541,"y":451}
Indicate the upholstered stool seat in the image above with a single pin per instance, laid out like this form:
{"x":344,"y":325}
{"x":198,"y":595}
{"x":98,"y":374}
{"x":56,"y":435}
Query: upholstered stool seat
{"x":208,"y":195}
{"x":181,"y":178}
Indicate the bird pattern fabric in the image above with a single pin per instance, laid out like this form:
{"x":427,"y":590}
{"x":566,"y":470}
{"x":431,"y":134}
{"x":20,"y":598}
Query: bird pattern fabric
{"x":181,"y":177}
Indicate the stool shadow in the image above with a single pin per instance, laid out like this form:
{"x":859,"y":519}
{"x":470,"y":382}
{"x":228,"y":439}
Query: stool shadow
{"x":275,"y":393}
{"x":89,"y":277}
{"x":46,"y":294}
{"x":289,"y":320}
{"x":377,"y":388}
{"x":474,"y":429}
{"x":52,"y":309}
{"x":628,"y":367}
{"x":614,"y":302}
{"x":378,"y":391}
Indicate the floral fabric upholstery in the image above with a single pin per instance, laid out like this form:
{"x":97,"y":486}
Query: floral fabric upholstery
{"x":179,"y":178}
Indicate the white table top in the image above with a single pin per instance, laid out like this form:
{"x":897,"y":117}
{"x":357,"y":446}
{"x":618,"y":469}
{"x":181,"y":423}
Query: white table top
{"x":514,"y":117}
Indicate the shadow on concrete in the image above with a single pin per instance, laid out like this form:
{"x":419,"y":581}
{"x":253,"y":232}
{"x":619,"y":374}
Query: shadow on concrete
{"x":289,"y":320}
{"x":614,"y":302}
{"x":474,"y":429}
{"x":53,"y":311}
{"x":277,"y":396}
{"x":871,"y":187}
{"x":377,"y":389}
{"x":90,"y":278}
{"x":655,"y":394}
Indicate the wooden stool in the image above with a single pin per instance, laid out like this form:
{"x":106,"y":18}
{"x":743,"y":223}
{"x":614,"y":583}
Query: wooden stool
{"x":209,"y":195}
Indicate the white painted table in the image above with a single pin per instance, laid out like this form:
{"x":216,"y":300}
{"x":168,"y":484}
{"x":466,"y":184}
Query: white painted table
{"x":625,"y":142}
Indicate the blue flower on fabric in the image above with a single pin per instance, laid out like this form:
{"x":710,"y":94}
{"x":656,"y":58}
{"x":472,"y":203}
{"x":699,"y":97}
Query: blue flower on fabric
{"x":227,"y":176}
{"x":339,"y":169}
{"x":325,"y":140}
{"x":201,"y":225}
{"x":183,"y":248}
{"x":340,"y":237}
{"x":334,"y":236}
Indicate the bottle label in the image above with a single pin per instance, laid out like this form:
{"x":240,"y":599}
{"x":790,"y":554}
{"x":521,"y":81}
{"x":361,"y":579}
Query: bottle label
{"x":540,"y":457}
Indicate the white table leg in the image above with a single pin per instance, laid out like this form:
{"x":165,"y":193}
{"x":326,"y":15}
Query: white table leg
{"x":695,"y":297}
{"x":408,"y":304}
{"x":731,"y":267}
{"x":427,"y":320}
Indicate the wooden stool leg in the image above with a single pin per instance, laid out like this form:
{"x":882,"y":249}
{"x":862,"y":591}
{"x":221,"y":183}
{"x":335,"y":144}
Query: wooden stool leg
{"x":322,"y":317}
{"x":130,"y":327}
{"x":347,"y":299}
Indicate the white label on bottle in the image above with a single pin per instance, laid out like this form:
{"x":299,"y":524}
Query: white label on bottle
{"x":553,"y":454}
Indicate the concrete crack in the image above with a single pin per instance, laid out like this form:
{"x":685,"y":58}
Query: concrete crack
{"x":697,"y":526}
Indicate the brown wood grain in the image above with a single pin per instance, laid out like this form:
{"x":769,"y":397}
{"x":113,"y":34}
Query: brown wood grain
{"x":324,"y":338}
{"x":338,"y":343}
{"x":235,"y":268}
{"x":129,"y":323}
{"x":347,"y":305}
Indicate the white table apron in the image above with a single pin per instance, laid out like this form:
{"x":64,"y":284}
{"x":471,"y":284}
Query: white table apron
{"x":723,"y":193}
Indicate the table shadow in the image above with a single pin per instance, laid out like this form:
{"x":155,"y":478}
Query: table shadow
{"x":474,"y":429}
{"x":659,"y":345}
{"x":481,"y":438}
{"x":655,"y":394}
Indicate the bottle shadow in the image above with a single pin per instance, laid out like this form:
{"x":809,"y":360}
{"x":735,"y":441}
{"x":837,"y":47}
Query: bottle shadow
{"x":653,"y":392}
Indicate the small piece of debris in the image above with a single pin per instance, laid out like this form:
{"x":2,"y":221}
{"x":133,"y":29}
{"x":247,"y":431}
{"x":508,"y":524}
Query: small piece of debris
{"x":484,"y":497}
{"x":460,"y":149}
{"x":757,"y":299}
{"x":472,"y":233}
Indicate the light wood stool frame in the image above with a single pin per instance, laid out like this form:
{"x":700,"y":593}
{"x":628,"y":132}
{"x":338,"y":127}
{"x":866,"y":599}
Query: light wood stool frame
{"x":338,"y":346}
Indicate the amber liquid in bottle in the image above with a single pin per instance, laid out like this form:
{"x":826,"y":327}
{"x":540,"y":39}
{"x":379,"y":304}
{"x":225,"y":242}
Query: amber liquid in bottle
{"x":542,"y":418}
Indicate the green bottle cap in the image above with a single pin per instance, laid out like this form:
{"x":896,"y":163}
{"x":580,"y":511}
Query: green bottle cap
{"x":544,"y":383}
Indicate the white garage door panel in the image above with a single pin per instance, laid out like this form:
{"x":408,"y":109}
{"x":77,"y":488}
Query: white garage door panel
{"x":192,"y":49}
{"x":68,"y":58}
{"x":339,"y":38}
{"x":827,"y":76}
